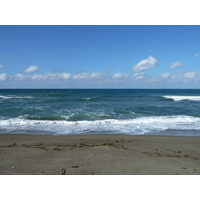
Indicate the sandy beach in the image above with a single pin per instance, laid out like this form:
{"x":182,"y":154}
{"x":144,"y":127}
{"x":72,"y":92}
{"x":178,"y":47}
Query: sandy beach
{"x":99,"y":155}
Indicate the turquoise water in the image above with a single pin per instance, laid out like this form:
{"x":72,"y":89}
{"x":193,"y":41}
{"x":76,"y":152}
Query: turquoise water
{"x":105,"y":111}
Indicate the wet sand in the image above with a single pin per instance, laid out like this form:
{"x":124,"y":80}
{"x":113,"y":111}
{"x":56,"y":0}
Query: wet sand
{"x":99,"y":155}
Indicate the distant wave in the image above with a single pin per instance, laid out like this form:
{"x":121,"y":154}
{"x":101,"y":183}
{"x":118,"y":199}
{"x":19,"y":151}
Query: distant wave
{"x":87,"y":98}
{"x":69,"y":117}
{"x":4,"y":97}
{"x":137,"y":126}
{"x":16,"y":97}
{"x":180,"y":98}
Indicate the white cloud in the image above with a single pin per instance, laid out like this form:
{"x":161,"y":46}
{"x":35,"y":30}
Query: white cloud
{"x":39,"y":77}
{"x":31,"y":69}
{"x":165,"y":75}
{"x":190,"y":74}
{"x":22,"y":77}
{"x":82,"y":75}
{"x":197,"y":54}
{"x":66,"y":76}
{"x":146,"y":64}
{"x":139,"y":75}
{"x":1,"y":66}
{"x":174,"y":76}
{"x":97,"y":75}
{"x":175,"y":65}
{"x":51,"y":76}
{"x":117,"y":75}
{"x":4,"y":77}
{"x":88,"y":76}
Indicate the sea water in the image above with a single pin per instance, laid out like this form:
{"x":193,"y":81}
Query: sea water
{"x":100,"y":111}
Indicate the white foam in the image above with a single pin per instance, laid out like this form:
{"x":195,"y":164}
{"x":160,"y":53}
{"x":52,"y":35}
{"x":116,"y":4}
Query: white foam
{"x":132,"y":126}
{"x":4,"y":97}
{"x":180,"y":98}
{"x":87,"y":98}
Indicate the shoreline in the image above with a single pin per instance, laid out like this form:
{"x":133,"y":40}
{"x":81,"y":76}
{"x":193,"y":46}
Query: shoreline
{"x":99,"y":154}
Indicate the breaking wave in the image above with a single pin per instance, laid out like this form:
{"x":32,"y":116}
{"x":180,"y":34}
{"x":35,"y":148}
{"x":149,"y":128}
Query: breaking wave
{"x":137,"y":126}
{"x":180,"y":98}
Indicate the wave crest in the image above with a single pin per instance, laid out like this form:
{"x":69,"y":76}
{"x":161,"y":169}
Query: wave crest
{"x":180,"y":98}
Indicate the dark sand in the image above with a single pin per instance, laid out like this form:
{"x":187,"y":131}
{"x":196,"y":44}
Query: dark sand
{"x":99,"y":155}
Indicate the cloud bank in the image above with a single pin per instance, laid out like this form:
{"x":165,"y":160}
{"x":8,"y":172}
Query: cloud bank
{"x":100,"y":80}
{"x":137,"y":79}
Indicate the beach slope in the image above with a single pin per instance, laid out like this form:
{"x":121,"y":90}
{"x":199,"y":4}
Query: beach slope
{"x":99,"y":155}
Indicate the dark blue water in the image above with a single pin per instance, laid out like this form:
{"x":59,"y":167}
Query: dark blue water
{"x":107,"y":111}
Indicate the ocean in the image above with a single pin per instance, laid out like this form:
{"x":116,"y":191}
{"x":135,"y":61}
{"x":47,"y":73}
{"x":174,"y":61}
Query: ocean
{"x":100,"y":111}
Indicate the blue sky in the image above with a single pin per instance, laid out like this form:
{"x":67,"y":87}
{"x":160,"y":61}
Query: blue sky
{"x":100,"y":56}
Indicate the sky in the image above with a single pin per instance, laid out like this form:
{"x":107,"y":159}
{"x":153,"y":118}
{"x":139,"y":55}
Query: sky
{"x":100,"y":56}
